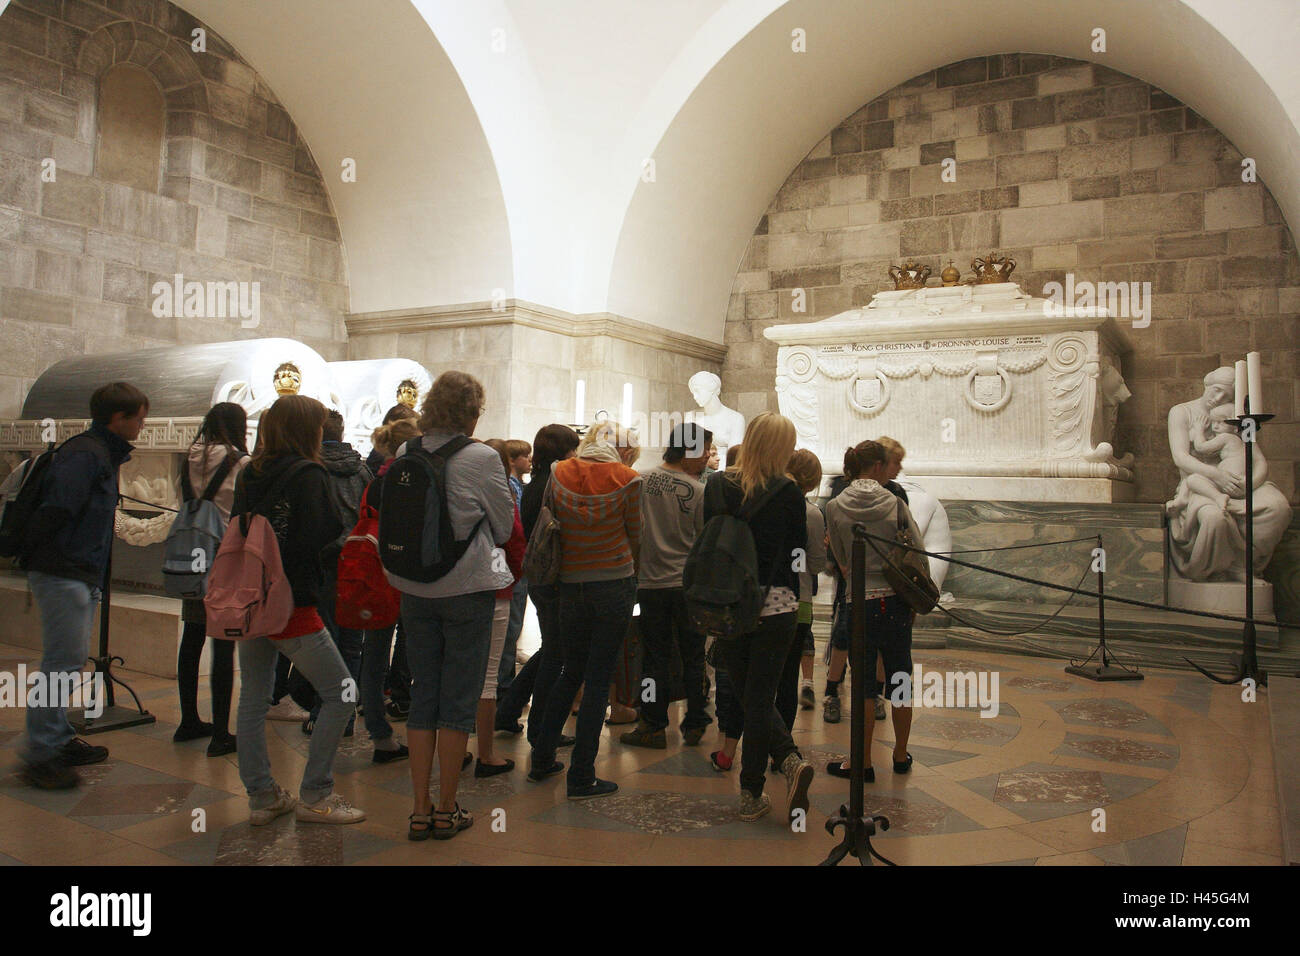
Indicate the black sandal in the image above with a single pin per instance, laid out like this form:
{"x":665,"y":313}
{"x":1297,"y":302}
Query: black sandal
{"x":836,"y":769}
{"x":419,"y":826}
{"x":903,"y":766}
{"x":456,"y":821}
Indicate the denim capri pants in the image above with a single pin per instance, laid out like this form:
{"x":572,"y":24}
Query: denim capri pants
{"x":447,"y":644}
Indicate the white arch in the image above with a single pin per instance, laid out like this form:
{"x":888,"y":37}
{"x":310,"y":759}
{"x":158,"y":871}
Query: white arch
{"x":425,"y":222}
{"x":481,"y":170}
{"x":762,"y":108}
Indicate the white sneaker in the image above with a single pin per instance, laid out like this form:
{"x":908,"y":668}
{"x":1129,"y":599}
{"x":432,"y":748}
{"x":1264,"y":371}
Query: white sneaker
{"x":286,"y":710}
{"x":284,"y":802}
{"x":333,"y":809}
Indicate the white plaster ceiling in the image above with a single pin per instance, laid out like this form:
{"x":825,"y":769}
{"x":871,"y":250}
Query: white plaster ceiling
{"x":425,"y":222}
{"x":482,"y":169}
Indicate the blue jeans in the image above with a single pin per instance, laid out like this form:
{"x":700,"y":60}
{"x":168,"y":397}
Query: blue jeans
{"x":594,"y":618}
{"x":318,"y":659}
{"x":518,"y":605}
{"x":67,"y":613}
{"x":348,"y":641}
{"x":376,"y":646}
{"x":447,"y":644}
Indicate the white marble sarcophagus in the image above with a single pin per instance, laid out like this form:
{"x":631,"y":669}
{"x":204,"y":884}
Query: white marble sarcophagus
{"x":368,"y":388}
{"x":182,"y":383}
{"x":993,"y":395}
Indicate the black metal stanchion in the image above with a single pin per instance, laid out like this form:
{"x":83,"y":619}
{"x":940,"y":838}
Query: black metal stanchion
{"x":1106,"y":668}
{"x":1246,"y":664}
{"x":858,"y":827}
{"x":111,"y":717}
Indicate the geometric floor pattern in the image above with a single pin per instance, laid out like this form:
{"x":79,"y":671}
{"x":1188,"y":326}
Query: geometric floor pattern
{"x":1167,"y":771}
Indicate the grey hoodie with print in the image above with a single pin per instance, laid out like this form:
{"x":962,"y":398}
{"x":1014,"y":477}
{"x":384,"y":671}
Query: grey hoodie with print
{"x":876,"y":508}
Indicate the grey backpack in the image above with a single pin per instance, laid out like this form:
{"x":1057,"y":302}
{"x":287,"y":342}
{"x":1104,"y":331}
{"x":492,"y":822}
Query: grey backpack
{"x":543,"y":556}
{"x":195,"y":536}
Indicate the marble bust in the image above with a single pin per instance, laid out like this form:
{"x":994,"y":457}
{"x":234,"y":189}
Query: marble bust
{"x":1207,"y":516}
{"x":727,"y":424}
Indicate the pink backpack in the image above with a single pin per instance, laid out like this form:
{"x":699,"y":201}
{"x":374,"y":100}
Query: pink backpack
{"x":248,"y":593}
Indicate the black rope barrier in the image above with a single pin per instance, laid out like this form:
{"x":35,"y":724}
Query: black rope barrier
{"x":1061,"y":587}
{"x":149,"y":503}
{"x":1017,"y":547}
{"x":1046,"y":620}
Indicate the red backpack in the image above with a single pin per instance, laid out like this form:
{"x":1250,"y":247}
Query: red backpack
{"x":366,"y":601}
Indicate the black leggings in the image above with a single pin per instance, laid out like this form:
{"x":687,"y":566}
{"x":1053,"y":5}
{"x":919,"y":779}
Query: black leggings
{"x":222,"y":677}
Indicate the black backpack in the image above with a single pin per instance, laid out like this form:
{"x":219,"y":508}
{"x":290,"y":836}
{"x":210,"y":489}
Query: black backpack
{"x":720,"y":580}
{"x":21,"y":507}
{"x":416,"y":541}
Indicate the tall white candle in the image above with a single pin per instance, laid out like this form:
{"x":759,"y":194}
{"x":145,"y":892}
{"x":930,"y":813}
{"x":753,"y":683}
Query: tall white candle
{"x":1239,"y":390}
{"x":627,"y":404}
{"x":1255,"y":383}
{"x":580,"y":404}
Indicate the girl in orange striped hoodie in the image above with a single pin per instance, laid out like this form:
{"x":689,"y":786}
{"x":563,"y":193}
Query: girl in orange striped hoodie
{"x":596,"y":499}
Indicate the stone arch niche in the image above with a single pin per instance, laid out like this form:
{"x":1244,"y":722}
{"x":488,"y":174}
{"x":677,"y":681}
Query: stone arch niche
{"x":1070,"y":168}
{"x":132,"y":122}
{"x":174,"y":67}
{"x":236,"y":195}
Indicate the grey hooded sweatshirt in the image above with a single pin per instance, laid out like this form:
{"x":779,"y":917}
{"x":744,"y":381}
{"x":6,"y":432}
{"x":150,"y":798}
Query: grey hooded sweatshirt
{"x":867,"y":502}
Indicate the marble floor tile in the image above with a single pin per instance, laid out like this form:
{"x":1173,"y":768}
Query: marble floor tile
{"x":1159,"y":849}
{"x":1183,"y":768}
{"x":1115,"y":714}
{"x":1119,"y":750}
{"x":912,"y":812}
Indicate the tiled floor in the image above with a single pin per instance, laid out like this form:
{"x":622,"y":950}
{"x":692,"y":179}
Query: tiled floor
{"x":1168,"y":771}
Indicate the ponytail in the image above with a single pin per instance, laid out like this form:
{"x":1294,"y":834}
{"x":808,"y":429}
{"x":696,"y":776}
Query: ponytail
{"x":862,"y":457}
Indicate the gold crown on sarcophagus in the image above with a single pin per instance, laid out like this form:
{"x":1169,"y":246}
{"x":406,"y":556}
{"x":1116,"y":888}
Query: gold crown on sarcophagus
{"x":287,"y":379}
{"x":993,"y":268}
{"x":910,"y":276}
{"x":407,"y":392}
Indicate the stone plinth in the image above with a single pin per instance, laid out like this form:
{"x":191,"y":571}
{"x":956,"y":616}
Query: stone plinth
{"x":143,"y":629}
{"x":1220,"y":597}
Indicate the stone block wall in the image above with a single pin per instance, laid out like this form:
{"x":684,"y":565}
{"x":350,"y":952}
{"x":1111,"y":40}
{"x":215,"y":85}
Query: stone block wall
{"x":1067,"y":167}
{"x":530,"y":362}
{"x":239,"y":196}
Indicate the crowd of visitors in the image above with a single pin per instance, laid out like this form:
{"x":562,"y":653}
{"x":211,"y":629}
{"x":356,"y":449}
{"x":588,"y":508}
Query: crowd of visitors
{"x":423,"y":544}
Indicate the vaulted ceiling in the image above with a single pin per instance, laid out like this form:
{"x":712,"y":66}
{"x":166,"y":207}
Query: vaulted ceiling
{"x":501,"y":144}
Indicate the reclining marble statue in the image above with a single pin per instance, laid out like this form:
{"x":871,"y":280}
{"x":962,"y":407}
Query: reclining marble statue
{"x":1207,"y":516}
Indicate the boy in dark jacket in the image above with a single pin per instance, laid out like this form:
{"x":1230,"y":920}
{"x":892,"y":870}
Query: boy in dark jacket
{"x":348,"y":478}
{"x":67,"y":545}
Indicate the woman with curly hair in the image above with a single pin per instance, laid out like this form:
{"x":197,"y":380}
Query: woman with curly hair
{"x":448,"y":621}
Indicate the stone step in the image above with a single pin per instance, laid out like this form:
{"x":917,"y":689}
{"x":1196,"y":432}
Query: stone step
{"x":1153,"y":638}
{"x":1284,"y":722}
{"x":1218,"y":659}
{"x":1123,"y":622}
